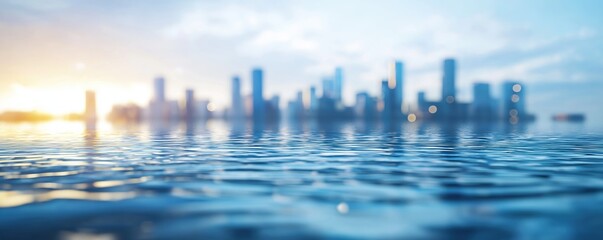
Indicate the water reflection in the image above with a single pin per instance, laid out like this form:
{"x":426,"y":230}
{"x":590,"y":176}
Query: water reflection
{"x":314,"y":179}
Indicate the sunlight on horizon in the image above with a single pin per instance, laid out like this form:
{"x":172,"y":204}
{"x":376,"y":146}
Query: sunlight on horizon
{"x":65,"y":97}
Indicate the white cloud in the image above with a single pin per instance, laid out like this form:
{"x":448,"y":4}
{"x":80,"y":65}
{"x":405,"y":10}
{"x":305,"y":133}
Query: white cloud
{"x":227,"y":21}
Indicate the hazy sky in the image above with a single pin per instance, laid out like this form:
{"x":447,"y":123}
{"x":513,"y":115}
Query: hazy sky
{"x":51,"y":51}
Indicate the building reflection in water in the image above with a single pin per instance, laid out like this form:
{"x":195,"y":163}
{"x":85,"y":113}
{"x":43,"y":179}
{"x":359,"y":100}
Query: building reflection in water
{"x":90,"y":142}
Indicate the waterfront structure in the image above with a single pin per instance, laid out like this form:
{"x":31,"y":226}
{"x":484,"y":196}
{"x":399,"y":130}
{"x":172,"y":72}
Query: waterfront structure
{"x":273,"y":110}
{"x":90,"y":110}
{"x":158,"y":108}
{"x":202,"y":109}
{"x":449,"y":89}
{"x":313,"y":101}
{"x":236,"y":105}
{"x":125,"y":113}
{"x":396,"y":83}
{"x":189,"y":105}
{"x":328,"y":87}
{"x":385,"y":99}
{"x":338,"y":85}
{"x":366,"y":106}
{"x":482,"y":107}
{"x":428,"y":110}
{"x":513,"y":102}
{"x":257,"y":76}
{"x":329,"y":105}
{"x":159,"y":85}
{"x":161,"y":109}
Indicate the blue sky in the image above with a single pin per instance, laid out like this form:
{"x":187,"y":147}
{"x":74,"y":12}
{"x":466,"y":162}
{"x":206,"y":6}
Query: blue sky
{"x":117,"y":47}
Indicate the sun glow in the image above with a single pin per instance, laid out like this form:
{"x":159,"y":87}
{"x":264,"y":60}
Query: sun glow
{"x":53,"y":99}
{"x":61,"y":99}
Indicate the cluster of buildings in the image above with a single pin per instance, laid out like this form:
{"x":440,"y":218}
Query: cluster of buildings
{"x":162,"y":109}
{"x":509,"y":107}
{"x":328,"y":105}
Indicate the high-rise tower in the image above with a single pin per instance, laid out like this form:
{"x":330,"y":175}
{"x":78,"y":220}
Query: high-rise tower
{"x":396,"y":83}
{"x":90,"y":111}
{"x":258,"y":94}
{"x":237,"y":110}
{"x":338,"y":84}
{"x":448,"y":101}
{"x":513,"y":100}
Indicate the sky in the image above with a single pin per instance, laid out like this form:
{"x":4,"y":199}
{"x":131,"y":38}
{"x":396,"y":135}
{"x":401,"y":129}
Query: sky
{"x":52,"y":51}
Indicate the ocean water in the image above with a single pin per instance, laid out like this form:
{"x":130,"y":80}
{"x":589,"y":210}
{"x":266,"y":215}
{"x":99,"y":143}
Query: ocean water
{"x":345,"y":180}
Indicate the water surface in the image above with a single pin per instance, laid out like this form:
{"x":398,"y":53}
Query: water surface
{"x":352,"y":180}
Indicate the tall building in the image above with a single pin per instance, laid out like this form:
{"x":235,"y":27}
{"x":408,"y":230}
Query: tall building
{"x":391,"y":109}
{"x":125,"y":113}
{"x":299,"y":105}
{"x":422,"y":103}
{"x":313,"y":100}
{"x":448,"y":81}
{"x":482,"y":107}
{"x":275,"y":110}
{"x":366,"y":106}
{"x":189,"y":105}
{"x":328,"y":87}
{"x":513,"y":100}
{"x":158,"y":106}
{"x":338,"y":84}
{"x":292,"y":109}
{"x":90,"y":110}
{"x":202,"y":109}
{"x":448,"y":101}
{"x":236,"y":109}
{"x":159,"y":89}
{"x":386,"y":99}
{"x":428,"y":110}
{"x":396,"y":83}
{"x":258,"y":94}
{"x":171,"y":110}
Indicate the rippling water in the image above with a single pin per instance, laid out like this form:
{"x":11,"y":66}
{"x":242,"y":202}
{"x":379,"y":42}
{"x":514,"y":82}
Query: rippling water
{"x":292,"y":180}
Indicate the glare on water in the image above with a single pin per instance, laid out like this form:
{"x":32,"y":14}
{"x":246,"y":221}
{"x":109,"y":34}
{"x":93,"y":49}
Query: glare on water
{"x":304,"y":179}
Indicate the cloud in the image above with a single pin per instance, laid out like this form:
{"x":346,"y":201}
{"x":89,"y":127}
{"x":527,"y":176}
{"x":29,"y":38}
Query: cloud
{"x":227,"y":21}
{"x":298,"y":43}
{"x":560,"y":59}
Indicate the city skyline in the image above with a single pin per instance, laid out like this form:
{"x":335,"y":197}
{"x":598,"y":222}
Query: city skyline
{"x":557,"y":58}
{"x":264,"y":119}
{"x":509,"y":106}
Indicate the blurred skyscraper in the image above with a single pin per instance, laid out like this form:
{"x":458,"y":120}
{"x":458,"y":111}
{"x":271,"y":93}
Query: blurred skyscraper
{"x":299,"y":109}
{"x":159,"y":107}
{"x":90,"y":110}
{"x":385,"y":92}
{"x":482,"y":107}
{"x":202,"y":109}
{"x":236,"y":110}
{"x":258,"y":94}
{"x":428,"y":110}
{"x":513,"y":101}
{"x":396,"y":83}
{"x":328,"y":87}
{"x":338,"y":84}
{"x":366,"y":106}
{"x":313,"y":100}
{"x":158,"y":104}
{"x":159,"y":89}
{"x":189,"y":105}
{"x":421,"y":101}
{"x":449,"y":81}
{"x":449,"y":89}
{"x":125,"y":113}
{"x":275,"y":110}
